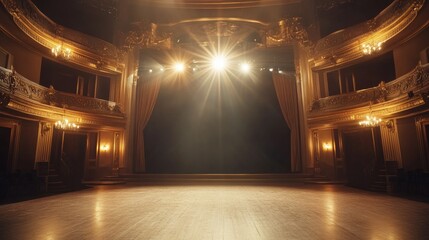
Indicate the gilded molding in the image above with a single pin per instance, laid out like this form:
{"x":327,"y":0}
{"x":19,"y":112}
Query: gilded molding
{"x":146,"y":35}
{"x":87,"y":50}
{"x":345,"y":45}
{"x":286,"y":31}
{"x":416,"y":81}
{"x":23,"y":89}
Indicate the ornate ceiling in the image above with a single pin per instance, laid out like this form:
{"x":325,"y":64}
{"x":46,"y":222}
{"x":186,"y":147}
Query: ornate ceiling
{"x":171,"y":24}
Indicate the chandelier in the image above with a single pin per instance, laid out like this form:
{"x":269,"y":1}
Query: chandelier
{"x":65,"y":124}
{"x":59,"y":50}
{"x":369,"y":48}
{"x":370,"y":121}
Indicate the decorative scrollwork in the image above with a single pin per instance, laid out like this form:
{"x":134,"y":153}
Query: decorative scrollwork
{"x":287,"y":31}
{"x":220,"y":29}
{"x":146,"y":35}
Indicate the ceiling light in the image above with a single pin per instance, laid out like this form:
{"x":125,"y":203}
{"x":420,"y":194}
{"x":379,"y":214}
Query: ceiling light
{"x":219,"y":63}
{"x":179,"y":67}
{"x":245,"y":67}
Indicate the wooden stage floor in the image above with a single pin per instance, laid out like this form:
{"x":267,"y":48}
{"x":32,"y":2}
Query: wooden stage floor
{"x":216,"y":210}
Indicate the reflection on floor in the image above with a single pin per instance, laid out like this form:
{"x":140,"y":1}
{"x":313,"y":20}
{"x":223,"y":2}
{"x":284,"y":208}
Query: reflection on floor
{"x":216,"y":210}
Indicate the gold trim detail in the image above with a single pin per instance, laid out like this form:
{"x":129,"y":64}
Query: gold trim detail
{"x":87,"y":51}
{"x":346,"y":45}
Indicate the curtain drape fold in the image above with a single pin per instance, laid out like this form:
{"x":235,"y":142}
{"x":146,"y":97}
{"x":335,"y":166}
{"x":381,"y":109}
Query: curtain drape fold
{"x":147,"y":94}
{"x":285,"y":87}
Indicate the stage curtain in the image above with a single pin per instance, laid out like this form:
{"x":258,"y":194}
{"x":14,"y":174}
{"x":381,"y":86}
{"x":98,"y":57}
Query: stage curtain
{"x":285,"y":87}
{"x":147,"y":93}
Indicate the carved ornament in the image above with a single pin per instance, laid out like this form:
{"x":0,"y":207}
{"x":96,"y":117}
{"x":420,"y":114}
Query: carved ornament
{"x":287,"y":31}
{"x":146,"y":35}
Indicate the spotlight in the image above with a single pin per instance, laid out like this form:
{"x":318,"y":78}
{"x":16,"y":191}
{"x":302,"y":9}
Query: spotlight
{"x":150,"y":70}
{"x":179,"y":67}
{"x":271,"y":69}
{"x":219,"y":63}
{"x":245,"y":67}
{"x":161,"y":69}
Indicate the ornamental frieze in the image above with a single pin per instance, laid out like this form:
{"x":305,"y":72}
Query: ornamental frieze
{"x":286,"y":31}
{"x":146,"y":35}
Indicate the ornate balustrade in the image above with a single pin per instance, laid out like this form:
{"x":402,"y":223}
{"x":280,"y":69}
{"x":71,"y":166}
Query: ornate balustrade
{"x":412,"y":84}
{"x":13,"y":85}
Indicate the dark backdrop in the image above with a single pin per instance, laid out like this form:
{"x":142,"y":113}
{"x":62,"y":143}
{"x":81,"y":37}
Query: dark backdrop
{"x":217,"y":124}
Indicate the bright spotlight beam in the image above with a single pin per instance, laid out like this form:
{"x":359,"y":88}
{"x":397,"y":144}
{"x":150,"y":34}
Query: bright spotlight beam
{"x":179,"y":67}
{"x":219,"y":63}
{"x":245,"y":67}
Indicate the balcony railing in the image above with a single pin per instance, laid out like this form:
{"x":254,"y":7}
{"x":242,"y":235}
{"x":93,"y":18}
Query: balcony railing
{"x":19,"y":87}
{"x":413,"y":83}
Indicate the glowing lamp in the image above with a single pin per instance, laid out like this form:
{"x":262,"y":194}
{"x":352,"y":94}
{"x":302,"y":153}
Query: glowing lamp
{"x":245,"y":67}
{"x":219,"y":63}
{"x":179,"y":67}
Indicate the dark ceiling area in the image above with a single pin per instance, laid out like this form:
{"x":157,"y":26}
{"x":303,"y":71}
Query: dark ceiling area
{"x":107,"y":19}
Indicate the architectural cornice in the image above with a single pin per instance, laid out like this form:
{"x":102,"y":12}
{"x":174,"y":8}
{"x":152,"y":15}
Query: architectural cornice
{"x":345,"y":45}
{"x":216,"y":4}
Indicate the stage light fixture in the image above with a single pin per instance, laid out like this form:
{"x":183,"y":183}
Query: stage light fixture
{"x":271,"y":69}
{"x":245,"y":67}
{"x":179,"y":67}
{"x":219,"y":63}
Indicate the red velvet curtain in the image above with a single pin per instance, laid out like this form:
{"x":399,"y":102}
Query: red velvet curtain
{"x":285,"y":87}
{"x":147,"y":93}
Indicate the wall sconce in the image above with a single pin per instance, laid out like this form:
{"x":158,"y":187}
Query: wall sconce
{"x":327,"y":146}
{"x":105,"y":147}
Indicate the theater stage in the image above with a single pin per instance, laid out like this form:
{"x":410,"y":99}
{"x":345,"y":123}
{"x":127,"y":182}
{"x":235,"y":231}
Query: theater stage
{"x":216,"y":210}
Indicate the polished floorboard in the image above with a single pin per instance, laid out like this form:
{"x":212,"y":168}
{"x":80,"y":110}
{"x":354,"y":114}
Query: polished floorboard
{"x":216,"y":210}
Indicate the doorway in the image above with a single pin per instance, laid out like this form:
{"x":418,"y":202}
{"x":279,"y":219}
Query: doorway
{"x":363,"y":154}
{"x":68,"y":156}
{"x":5,"y":153}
